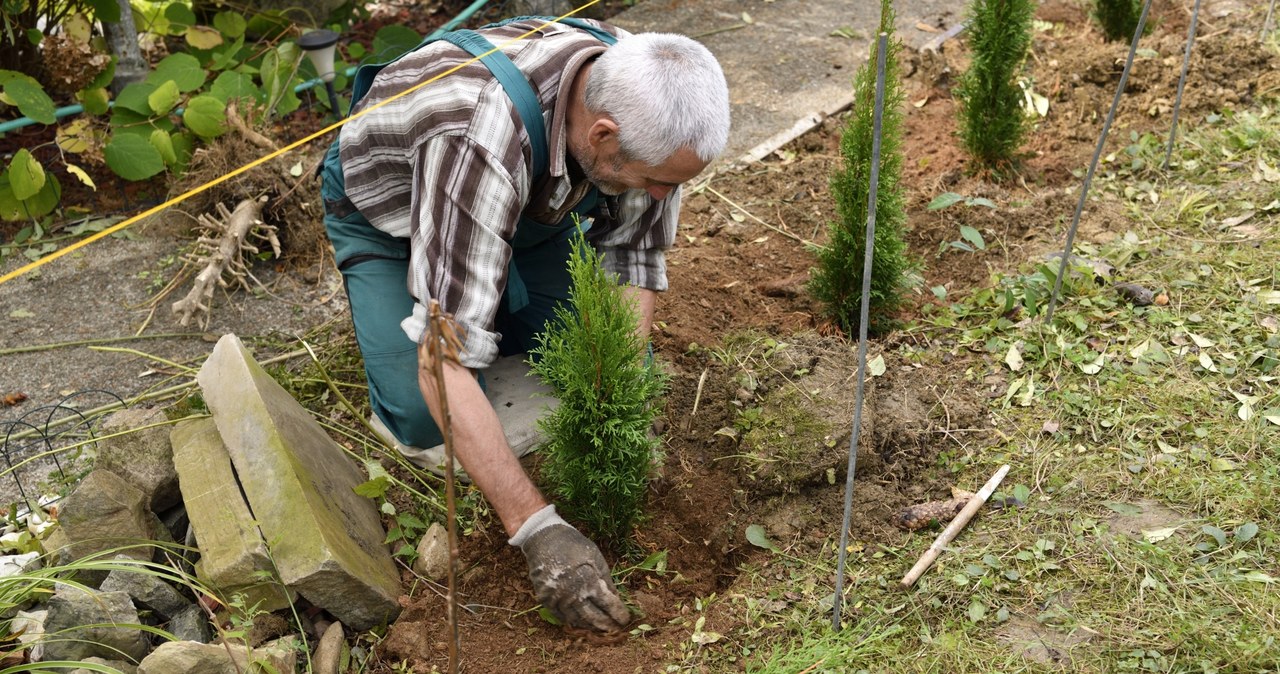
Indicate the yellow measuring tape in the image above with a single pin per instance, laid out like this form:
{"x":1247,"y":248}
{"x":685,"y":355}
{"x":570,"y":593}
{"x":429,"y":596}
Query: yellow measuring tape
{"x":296,"y":144}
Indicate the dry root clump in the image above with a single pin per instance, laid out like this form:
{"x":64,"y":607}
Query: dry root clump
{"x":220,"y":255}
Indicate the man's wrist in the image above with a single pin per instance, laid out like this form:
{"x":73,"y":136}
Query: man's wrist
{"x":536,"y":522}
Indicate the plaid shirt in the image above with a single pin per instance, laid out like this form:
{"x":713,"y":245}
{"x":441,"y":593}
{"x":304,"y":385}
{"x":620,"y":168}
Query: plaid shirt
{"x":449,"y":167}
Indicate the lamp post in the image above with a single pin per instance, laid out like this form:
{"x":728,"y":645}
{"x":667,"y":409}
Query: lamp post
{"x":319,"y":46}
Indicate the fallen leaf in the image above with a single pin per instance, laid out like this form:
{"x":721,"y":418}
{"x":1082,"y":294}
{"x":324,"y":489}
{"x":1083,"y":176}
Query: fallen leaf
{"x":920,"y":25}
{"x":757,"y":537}
{"x":1095,"y":367}
{"x":876,"y":366}
{"x":21,"y":313}
{"x":1202,"y":342}
{"x":920,"y":103}
{"x":1237,"y":220}
{"x":1222,"y":465}
{"x":760,"y":240}
{"x":1050,"y":427}
{"x":1207,"y":363}
{"x":1014,"y":358}
{"x":11,"y":399}
{"x":1157,"y":535}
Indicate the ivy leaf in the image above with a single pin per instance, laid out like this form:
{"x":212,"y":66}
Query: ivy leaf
{"x":183,"y":69}
{"x":28,"y":95}
{"x":95,"y":100}
{"x":944,"y":200}
{"x":105,"y":10}
{"x":134,"y":98}
{"x":132,"y":157}
{"x":203,"y":37}
{"x":757,"y":537}
{"x":74,"y":137}
{"x":162,"y":100}
{"x":81,"y":175}
{"x":206,"y":116}
{"x":164,"y":145}
{"x":26,"y":175}
{"x":230,"y":24}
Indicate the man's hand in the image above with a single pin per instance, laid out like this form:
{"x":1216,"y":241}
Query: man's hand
{"x":570,"y":575}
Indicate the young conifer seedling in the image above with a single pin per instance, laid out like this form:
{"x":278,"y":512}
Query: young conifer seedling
{"x":992,"y":121}
{"x":1118,"y":18}
{"x":837,"y":280}
{"x":599,"y":453}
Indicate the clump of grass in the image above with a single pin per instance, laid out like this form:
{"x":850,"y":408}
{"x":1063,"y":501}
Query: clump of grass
{"x":1118,"y":18}
{"x":837,"y":280}
{"x":598,"y":451}
{"x":992,"y":121}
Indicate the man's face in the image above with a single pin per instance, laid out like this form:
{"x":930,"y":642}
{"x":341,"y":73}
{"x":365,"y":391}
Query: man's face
{"x":605,"y":166}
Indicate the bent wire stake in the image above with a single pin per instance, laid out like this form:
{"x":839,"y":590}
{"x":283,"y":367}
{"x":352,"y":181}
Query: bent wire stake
{"x":1266,"y":24}
{"x":1093,"y":165}
{"x":948,"y":534}
{"x":1182,"y":82}
{"x":862,"y":327}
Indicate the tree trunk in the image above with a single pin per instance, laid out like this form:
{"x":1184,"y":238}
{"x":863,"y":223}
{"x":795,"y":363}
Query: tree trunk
{"x":122,"y":38}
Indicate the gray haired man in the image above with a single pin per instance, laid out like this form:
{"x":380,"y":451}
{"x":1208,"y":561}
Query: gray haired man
{"x":467,"y":192}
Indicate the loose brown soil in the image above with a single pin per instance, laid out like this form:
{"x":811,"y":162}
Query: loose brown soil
{"x":732,"y":275}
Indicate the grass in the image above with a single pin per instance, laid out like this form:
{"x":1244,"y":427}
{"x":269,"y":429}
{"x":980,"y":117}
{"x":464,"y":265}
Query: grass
{"x":1142,"y":438}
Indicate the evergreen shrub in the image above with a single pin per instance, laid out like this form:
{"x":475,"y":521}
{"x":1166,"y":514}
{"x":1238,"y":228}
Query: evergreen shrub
{"x":837,"y":280}
{"x":1118,"y":18}
{"x":599,"y":453}
{"x":993,"y":123}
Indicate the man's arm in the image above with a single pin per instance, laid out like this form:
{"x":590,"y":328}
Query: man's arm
{"x":645,"y":300}
{"x":570,"y":576}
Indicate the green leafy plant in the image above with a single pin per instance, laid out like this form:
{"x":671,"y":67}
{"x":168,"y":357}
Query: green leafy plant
{"x":598,"y":452}
{"x":1118,"y":18}
{"x":993,"y":122}
{"x":837,"y":280}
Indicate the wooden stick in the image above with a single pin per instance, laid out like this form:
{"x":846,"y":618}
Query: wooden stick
{"x":948,"y":534}
{"x":443,"y":342}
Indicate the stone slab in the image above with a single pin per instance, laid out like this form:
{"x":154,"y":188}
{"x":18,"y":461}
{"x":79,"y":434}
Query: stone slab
{"x":233,"y":555}
{"x":326,"y":541}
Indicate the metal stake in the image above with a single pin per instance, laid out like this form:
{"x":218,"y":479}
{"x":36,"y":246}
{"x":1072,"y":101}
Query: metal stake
{"x":1093,"y":165}
{"x":862,"y":327}
{"x":1266,"y":24}
{"x":1182,"y":81}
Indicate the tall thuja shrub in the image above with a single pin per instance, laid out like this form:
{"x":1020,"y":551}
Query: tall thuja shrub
{"x":1118,"y":18}
{"x":837,"y":280}
{"x":992,"y":121}
{"x":598,"y":452}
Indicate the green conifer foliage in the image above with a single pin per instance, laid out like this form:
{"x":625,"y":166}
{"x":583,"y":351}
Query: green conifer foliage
{"x":1118,"y":18}
{"x":992,"y":121}
{"x":837,"y":280}
{"x":599,"y":452}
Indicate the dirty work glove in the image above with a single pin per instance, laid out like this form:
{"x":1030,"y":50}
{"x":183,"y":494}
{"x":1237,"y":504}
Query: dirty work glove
{"x":569,"y":574}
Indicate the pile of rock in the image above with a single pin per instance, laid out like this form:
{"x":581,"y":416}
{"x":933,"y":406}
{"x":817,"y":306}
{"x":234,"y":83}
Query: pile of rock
{"x":261,"y":501}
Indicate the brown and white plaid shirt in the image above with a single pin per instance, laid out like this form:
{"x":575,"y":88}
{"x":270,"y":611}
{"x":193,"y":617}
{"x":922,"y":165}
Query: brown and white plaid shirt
{"x":449,"y":166}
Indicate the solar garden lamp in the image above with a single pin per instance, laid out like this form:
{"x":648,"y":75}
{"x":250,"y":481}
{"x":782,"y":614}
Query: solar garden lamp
{"x":319,"y":46}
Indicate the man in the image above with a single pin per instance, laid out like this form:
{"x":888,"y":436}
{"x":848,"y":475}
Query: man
{"x":467,"y":192}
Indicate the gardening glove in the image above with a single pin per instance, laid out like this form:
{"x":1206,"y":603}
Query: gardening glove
{"x":569,"y":574}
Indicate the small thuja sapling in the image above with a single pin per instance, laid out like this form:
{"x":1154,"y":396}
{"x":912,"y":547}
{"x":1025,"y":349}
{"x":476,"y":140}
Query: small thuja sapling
{"x":837,"y":280}
{"x":1118,"y":18}
{"x":993,"y":122}
{"x":598,"y":453}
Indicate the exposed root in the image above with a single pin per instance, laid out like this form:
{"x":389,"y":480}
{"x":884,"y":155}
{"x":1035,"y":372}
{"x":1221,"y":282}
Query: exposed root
{"x":219,"y":255}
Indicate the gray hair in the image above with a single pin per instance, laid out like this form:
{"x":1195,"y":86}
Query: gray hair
{"x":666,"y":92}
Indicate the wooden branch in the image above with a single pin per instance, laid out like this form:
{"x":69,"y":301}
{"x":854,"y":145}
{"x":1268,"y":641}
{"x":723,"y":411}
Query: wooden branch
{"x":237,"y":122}
{"x":216,"y":261}
{"x":954,"y":528}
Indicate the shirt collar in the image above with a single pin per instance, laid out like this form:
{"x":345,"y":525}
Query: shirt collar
{"x":558,"y":166}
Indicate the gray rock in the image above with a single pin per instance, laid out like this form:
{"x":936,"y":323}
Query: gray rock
{"x":147,"y":591}
{"x":13,"y":565}
{"x":104,"y":513}
{"x":233,"y":556}
{"x":189,"y":657}
{"x":125,"y":667}
{"x":328,"y":656}
{"x":433,"y":553}
{"x":191,"y":624}
{"x":29,"y":626}
{"x":326,"y":540}
{"x":142,"y":456}
{"x":70,"y":609}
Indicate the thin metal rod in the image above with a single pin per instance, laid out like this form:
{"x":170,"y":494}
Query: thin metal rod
{"x":1093,"y":165}
{"x":1266,"y":24}
{"x":864,"y":317}
{"x":1182,"y":82}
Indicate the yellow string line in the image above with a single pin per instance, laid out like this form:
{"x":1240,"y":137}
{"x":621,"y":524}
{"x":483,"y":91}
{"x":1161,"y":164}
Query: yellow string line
{"x":257,"y":162}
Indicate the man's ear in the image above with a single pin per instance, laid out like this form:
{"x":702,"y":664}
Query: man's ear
{"x":603,"y":131}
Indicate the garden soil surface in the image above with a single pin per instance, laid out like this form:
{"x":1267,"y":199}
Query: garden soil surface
{"x":738,"y":275}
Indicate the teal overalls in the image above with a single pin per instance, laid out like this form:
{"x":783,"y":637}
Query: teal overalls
{"x":375,"y":265}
